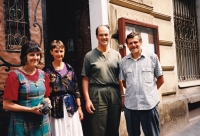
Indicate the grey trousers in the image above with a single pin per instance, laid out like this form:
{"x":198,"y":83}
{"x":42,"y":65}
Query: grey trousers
{"x":106,"y":118}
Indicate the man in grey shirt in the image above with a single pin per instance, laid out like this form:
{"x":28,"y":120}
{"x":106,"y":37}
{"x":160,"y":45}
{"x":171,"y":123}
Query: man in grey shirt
{"x":100,"y":86}
{"x":141,"y":74}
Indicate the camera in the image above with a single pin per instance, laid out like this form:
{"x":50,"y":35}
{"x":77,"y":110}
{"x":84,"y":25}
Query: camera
{"x":46,"y":107}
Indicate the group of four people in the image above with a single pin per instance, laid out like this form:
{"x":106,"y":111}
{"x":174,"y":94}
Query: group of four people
{"x":105,"y":75}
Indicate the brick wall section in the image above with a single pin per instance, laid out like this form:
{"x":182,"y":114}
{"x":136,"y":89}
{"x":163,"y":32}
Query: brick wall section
{"x":35,"y":31}
{"x":2,"y":38}
{"x":2,"y":30}
{"x":11,"y":57}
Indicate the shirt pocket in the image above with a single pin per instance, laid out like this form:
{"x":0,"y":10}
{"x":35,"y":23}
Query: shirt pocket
{"x":147,"y":74}
{"x":129,"y":76}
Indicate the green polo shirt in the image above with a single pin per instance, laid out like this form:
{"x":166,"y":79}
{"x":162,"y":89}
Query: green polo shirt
{"x":102,"y":70}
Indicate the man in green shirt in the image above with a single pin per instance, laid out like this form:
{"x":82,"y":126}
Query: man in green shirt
{"x":101,"y":86}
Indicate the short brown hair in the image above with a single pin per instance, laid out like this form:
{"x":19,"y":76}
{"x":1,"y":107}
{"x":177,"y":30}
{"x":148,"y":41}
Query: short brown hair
{"x":57,"y":43}
{"x":132,"y":35}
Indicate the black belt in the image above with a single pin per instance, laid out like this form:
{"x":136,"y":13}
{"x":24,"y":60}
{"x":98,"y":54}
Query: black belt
{"x":104,"y":85}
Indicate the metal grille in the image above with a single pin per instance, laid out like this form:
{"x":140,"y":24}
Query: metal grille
{"x":187,"y":48}
{"x":16,"y":16}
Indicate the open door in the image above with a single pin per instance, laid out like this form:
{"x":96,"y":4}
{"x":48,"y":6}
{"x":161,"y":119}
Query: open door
{"x":68,"y":21}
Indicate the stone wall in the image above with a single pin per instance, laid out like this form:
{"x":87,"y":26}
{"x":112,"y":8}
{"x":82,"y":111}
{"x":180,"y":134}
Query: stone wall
{"x":173,"y":108}
{"x":173,"y":114}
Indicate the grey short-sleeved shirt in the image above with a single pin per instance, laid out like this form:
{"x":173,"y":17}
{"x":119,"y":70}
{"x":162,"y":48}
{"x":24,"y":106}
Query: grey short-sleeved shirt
{"x":140,"y":77}
{"x":100,"y":69}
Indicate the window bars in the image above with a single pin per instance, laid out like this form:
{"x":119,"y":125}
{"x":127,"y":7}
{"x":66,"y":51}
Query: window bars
{"x":16,"y":26}
{"x":187,"y":48}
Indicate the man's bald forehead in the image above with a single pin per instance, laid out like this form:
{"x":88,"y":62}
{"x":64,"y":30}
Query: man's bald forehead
{"x":97,"y":29}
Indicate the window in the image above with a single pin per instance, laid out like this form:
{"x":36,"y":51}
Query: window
{"x":187,"y":49}
{"x":16,"y":24}
{"x":149,"y":34}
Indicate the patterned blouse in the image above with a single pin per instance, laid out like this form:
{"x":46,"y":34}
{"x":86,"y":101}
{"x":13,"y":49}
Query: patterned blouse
{"x":64,"y":88}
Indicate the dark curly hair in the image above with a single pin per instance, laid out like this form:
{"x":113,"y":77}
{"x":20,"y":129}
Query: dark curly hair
{"x":132,"y":35}
{"x":28,"y":47}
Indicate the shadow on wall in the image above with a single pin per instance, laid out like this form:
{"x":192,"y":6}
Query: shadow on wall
{"x":4,"y":117}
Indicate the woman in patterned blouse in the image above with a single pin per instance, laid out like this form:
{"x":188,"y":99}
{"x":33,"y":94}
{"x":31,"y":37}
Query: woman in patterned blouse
{"x":66,"y":111}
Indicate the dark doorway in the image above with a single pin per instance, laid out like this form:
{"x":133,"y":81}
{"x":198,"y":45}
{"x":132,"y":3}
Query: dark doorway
{"x":68,"y":21}
{"x":61,"y":24}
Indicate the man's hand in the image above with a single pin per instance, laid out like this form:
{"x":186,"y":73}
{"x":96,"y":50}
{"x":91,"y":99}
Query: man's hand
{"x":122,"y":101}
{"x":89,"y":107}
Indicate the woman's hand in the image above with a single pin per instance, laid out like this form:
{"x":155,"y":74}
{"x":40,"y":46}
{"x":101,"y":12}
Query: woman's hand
{"x":47,"y":100}
{"x":36,"y":110}
{"x":80,"y":113}
{"x":11,"y":106}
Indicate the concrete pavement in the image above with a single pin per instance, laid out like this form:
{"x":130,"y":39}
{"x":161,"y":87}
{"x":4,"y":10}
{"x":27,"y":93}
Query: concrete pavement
{"x":192,"y":129}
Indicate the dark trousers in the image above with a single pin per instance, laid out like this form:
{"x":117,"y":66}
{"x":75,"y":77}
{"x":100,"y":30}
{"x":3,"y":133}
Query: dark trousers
{"x":149,"y":120}
{"x":106,"y":118}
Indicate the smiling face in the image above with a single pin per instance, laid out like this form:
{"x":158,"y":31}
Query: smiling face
{"x":134,"y":45}
{"x":103,"y":36}
{"x":30,"y":53}
{"x":33,"y":58}
{"x":58,"y":53}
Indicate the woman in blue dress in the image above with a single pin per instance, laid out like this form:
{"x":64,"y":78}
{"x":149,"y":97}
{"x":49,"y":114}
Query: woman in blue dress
{"x":25,"y":88}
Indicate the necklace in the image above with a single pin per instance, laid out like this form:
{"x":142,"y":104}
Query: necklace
{"x":36,"y":84}
{"x":30,"y":73}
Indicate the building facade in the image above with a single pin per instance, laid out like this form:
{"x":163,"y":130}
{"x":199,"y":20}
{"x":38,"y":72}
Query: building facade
{"x":178,"y":51}
{"x":168,"y":27}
